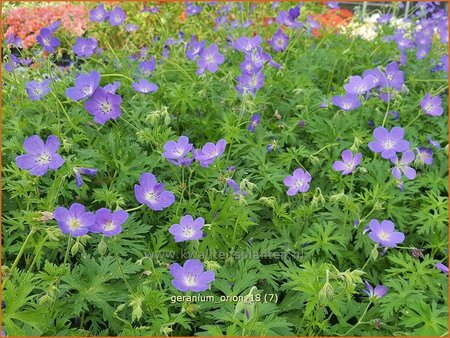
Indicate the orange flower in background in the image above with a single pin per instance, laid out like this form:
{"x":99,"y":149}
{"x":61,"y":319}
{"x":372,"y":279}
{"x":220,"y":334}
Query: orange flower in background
{"x":27,"y":22}
{"x":332,"y":19}
{"x":182,"y":16}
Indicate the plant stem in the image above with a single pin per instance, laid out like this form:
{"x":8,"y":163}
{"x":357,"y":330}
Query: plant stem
{"x":414,"y":119}
{"x":66,"y":256}
{"x":367,"y":262}
{"x":40,"y":245}
{"x":134,"y":209}
{"x":118,"y":75}
{"x":19,"y":255}
{"x":387,"y":112}
{"x":324,"y":147}
{"x":113,"y":244}
{"x":359,"y":320}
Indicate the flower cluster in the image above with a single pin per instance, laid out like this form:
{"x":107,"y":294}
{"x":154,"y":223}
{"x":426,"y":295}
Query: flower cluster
{"x":182,"y":153}
{"x":191,"y":276}
{"x":27,"y":23}
{"x":78,"y":222}
{"x":115,"y":17}
{"x":421,"y":38}
{"x":102,"y":103}
{"x":386,"y":83}
{"x":333,"y":19}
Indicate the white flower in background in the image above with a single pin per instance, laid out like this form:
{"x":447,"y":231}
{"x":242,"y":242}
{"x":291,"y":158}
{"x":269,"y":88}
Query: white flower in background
{"x":368,"y":27}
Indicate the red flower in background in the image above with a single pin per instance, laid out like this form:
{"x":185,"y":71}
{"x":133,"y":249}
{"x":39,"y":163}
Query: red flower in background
{"x":27,"y":22}
{"x":331,"y":20}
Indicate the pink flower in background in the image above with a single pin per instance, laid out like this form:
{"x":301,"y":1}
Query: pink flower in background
{"x":27,"y":22}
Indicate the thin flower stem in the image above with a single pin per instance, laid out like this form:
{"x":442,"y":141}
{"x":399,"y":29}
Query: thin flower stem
{"x":175,"y":173}
{"x":19,"y":255}
{"x":118,"y":75}
{"x":387,"y":112}
{"x":189,"y":183}
{"x":36,"y":255}
{"x":113,"y":244}
{"x":57,"y":111}
{"x":66,"y":256}
{"x":414,"y":119}
{"x":324,"y":147}
{"x":56,"y":96}
{"x":129,"y":123}
{"x":134,"y":209}
{"x":368,"y":259}
{"x":64,"y":110}
{"x":360,"y":320}
{"x":429,"y":80}
{"x":351,"y":184}
{"x":364,"y":218}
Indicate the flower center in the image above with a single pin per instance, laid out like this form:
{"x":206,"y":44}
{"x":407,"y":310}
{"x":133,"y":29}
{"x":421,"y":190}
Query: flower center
{"x":388,"y":144}
{"x":188,"y":231}
{"x":46,"y":42}
{"x":150,"y":196}
{"x":349,"y":165}
{"x":109,"y":226}
{"x":190,"y":280}
{"x":253,"y":81}
{"x":383,"y":236}
{"x":43,"y":158}
{"x":389,"y":77}
{"x":360,"y":89}
{"x":37,"y":91}
{"x":346,"y":105}
{"x":209,"y":59}
{"x":86,"y":90}
{"x":280,"y":42}
{"x":428,"y":107}
{"x":106,"y":107}
{"x":74,"y":223}
{"x":178,"y":151}
{"x":299,"y":183}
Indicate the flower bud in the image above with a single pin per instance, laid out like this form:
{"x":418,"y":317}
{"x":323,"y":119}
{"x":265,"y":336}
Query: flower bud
{"x":374,"y":253}
{"x":326,"y":293}
{"x":102,"y":248}
{"x":75,"y":248}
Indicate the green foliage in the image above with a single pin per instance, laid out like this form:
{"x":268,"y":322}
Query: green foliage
{"x":284,"y":265}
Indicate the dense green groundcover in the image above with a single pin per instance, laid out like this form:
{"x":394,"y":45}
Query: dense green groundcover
{"x":300,"y":260}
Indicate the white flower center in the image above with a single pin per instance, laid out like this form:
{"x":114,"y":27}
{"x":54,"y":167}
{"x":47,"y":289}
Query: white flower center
{"x":346,"y":105}
{"x":109,"y":226}
{"x":299,"y":183}
{"x":360,"y":89}
{"x":178,"y":151}
{"x":188,"y":231}
{"x":74,"y":223}
{"x":349,"y":165}
{"x":86,"y":90}
{"x":428,"y":107}
{"x":190,"y":280}
{"x":150,"y":196}
{"x":209,"y":59}
{"x":106,"y":107}
{"x":383,"y":235}
{"x":43,"y":158}
{"x":388,"y":144}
